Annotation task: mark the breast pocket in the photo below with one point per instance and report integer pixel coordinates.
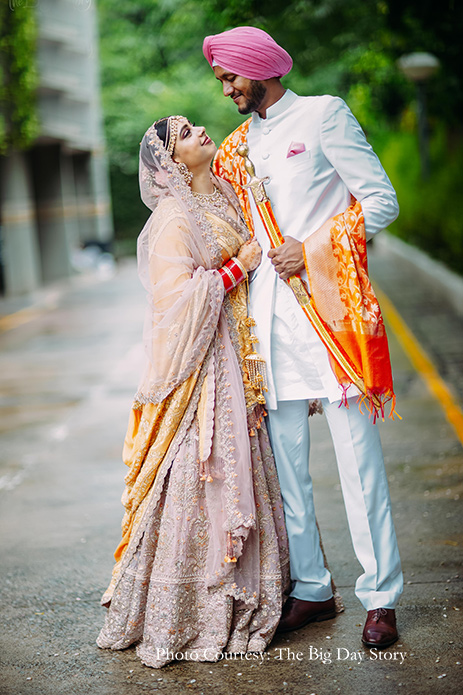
(305, 162)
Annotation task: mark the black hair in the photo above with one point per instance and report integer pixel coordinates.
(161, 129)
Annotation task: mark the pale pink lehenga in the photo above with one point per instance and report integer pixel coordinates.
(203, 563)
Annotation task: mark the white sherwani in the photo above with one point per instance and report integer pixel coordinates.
(306, 189)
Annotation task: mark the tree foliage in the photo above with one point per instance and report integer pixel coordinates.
(152, 65)
(152, 61)
(18, 77)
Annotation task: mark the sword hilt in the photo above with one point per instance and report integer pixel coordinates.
(243, 151)
(255, 184)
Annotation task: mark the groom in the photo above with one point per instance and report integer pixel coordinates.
(316, 158)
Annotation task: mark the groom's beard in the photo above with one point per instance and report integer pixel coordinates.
(255, 99)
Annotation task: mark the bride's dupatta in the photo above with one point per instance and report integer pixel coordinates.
(191, 368)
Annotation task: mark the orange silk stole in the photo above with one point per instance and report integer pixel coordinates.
(336, 262)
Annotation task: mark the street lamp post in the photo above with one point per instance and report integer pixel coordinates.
(419, 67)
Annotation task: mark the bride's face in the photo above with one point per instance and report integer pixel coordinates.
(193, 146)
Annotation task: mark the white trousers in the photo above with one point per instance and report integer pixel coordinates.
(366, 498)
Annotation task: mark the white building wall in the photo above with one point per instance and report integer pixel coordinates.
(68, 203)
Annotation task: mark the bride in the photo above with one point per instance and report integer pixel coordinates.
(203, 562)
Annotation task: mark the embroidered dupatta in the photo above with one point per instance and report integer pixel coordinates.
(192, 367)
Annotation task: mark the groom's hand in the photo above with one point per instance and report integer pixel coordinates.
(287, 259)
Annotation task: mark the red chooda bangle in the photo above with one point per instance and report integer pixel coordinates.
(232, 274)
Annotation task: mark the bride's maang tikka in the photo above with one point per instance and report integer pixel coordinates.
(172, 132)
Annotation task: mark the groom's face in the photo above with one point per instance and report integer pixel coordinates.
(247, 94)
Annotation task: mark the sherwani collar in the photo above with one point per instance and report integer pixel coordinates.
(276, 109)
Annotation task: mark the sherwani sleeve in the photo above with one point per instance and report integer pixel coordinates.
(346, 148)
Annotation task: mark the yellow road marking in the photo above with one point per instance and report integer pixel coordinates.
(7, 323)
(422, 363)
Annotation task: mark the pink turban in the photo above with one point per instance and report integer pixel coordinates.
(249, 52)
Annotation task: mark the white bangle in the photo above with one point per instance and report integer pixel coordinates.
(240, 266)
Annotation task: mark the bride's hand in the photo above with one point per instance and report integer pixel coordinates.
(250, 254)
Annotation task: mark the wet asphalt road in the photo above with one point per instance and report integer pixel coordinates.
(67, 376)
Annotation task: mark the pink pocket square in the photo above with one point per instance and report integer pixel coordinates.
(295, 148)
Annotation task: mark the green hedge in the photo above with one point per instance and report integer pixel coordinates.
(430, 215)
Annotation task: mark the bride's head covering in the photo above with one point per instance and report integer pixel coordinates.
(159, 175)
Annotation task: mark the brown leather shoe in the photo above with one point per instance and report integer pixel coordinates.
(297, 613)
(380, 628)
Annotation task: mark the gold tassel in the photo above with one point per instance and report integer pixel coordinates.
(205, 471)
(230, 556)
(209, 477)
(255, 365)
(202, 471)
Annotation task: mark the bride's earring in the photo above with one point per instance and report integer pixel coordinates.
(185, 172)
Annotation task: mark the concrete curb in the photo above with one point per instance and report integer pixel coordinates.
(448, 282)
